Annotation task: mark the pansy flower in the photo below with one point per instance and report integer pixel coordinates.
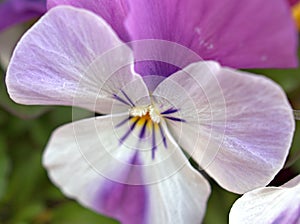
(269, 205)
(132, 162)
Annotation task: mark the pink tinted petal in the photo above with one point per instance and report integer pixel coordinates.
(237, 126)
(248, 34)
(61, 61)
(113, 11)
(17, 11)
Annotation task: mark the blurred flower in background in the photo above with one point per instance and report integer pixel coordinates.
(269, 205)
(13, 14)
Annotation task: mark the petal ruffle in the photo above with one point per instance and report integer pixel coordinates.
(237, 126)
(18, 11)
(249, 34)
(71, 57)
(113, 11)
(86, 160)
(268, 205)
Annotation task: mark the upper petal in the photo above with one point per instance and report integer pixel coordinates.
(269, 205)
(113, 11)
(17, 11)
(71, 57)
(86, 160)
(248, 34)
(237, 126)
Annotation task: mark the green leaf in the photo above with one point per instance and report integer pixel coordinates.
(4, 166)
(219, 205)
(72, 212)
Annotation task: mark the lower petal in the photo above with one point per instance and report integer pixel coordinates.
(87, 160)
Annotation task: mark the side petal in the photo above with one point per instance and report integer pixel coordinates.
(237, 126)
(17, 11)
(252, 34)
(113, 12)
(268, 205)
(71, 57)
(86, 160)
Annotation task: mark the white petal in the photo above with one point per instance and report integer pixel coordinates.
(237, 126)
(71, 57)
(90, 163)
(268, 205)
(182, 197)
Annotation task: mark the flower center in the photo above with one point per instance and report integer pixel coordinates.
(143, 128)
(147, 113)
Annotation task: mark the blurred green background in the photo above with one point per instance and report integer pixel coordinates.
(27, 195)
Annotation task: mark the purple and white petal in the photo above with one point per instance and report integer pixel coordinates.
(269, 205)
(238, 34)
(13, 12)
(71, 57)
(114, 12)
(237, 126)
(87, 161)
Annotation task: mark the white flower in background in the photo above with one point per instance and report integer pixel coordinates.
(269, 205)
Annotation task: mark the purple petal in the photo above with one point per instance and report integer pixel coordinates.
(113, 11)
(17, 11)
(237, 34)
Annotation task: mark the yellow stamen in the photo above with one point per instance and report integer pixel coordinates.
(145, 113)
